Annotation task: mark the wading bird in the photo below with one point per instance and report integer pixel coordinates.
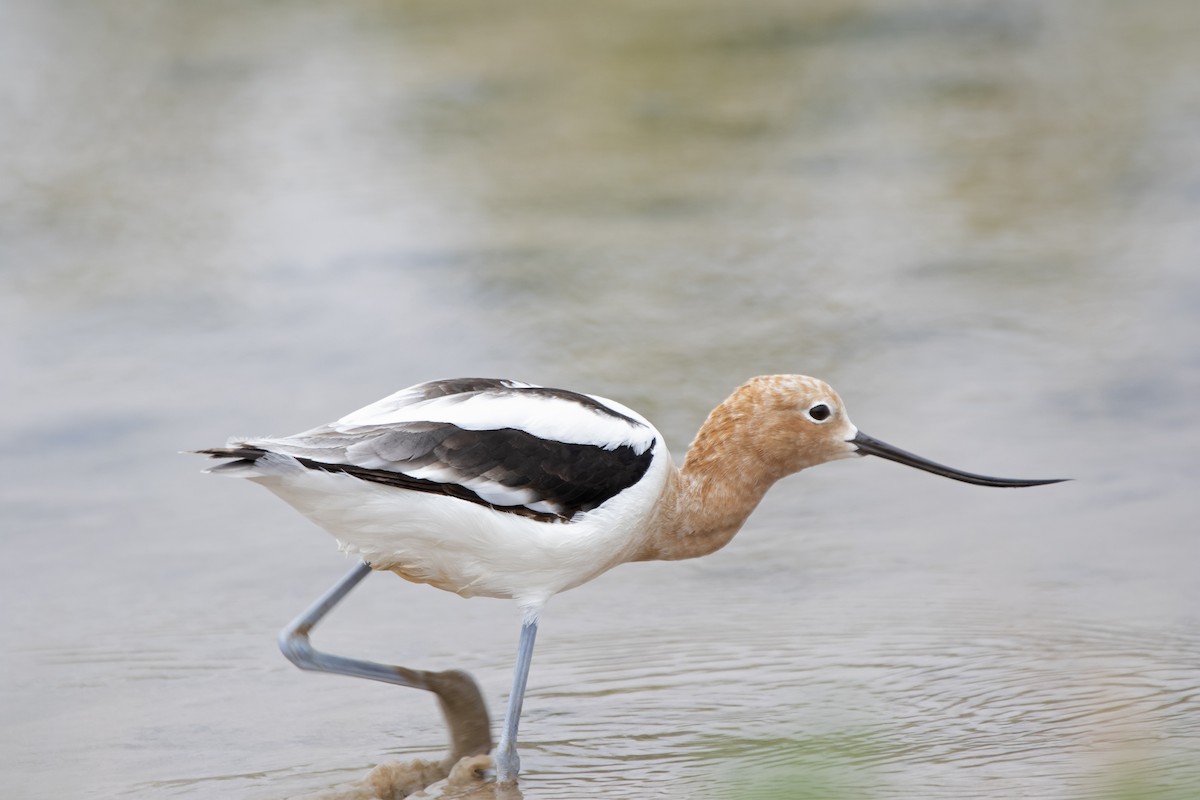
(497, 488)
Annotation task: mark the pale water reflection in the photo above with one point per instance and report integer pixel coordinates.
(976, 219)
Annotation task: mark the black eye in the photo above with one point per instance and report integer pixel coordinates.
(820, 412)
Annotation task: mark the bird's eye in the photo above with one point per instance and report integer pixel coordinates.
(820, 412)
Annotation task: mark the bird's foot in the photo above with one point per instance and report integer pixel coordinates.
(508, 763)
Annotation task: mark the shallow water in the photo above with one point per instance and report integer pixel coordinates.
(977, 220)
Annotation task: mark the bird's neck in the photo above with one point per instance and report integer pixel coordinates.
(706, 501)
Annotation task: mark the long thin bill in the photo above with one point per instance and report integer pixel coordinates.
(870, 446)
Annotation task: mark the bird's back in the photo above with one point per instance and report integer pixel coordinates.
(473, 485)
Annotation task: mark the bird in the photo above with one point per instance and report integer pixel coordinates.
(500, 488)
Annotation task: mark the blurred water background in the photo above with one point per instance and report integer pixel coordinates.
(978, 219)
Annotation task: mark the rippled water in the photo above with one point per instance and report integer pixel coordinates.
(976, 219)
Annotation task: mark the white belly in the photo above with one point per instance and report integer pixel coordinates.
(467, 548)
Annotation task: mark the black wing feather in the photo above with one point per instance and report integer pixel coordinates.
(565, 477)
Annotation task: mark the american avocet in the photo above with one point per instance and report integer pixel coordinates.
(504, 489)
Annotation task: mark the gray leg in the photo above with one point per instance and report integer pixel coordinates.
(461, 701)
(508, 763)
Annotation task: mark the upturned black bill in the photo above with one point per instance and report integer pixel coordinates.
(870, 446)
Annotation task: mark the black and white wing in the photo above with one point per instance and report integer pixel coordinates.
(544, 453)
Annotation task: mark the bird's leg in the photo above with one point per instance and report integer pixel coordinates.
(294, 642)
(461, 701)
(508, 763)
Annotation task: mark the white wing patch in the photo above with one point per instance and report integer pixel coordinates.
(546, 416)
(488, 490)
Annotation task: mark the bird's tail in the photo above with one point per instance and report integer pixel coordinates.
(237, 460)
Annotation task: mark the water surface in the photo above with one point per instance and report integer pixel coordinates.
(977, 220)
